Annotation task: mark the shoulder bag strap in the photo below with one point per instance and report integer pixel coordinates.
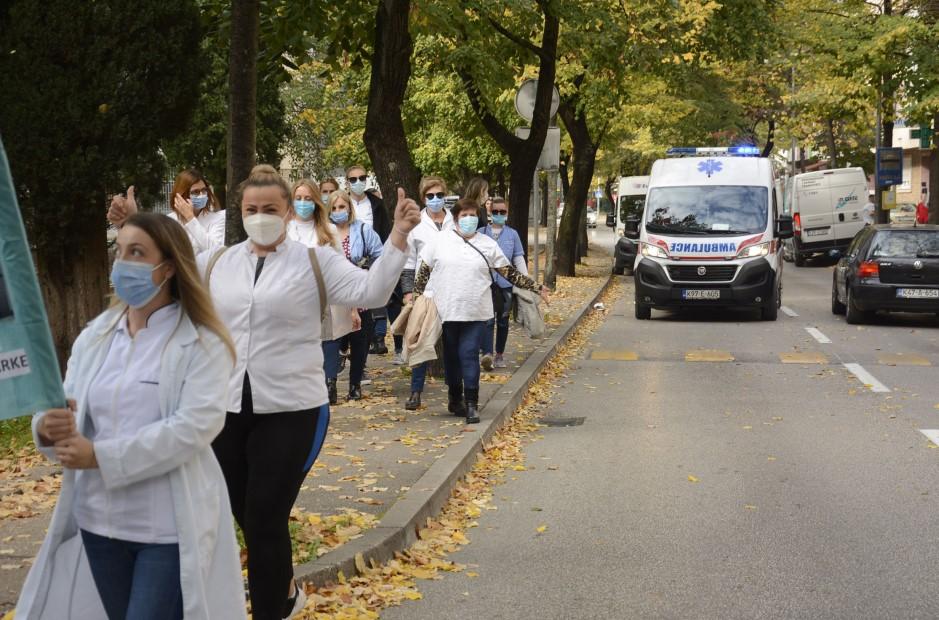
(211, 265)
(320, 283)
(481, 255)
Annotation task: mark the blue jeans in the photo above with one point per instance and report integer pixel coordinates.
(461, 340)
(418, 376)
(136, 581)
(331, 358)
(501, 323)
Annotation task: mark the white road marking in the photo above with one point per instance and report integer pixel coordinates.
(814, 333)
(931, 434)
(788, 311)
(867, 378)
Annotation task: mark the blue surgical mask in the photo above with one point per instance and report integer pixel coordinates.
(199, 202)
(133, 282)
(499, 220)
(339, 217)
(358, 188)
(304, 208)
(468, 225)
(436, 204)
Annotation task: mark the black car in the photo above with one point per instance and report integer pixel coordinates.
(624, 253)
(888, 267)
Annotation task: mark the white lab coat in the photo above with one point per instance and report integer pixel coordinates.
(193, 394)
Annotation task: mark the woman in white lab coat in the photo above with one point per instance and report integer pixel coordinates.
(267, 289)
(143, 501)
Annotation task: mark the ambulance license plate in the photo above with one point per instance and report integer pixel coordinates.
(918, 293)
(691, 293)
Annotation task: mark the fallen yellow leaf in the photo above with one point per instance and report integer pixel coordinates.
(541, 529)
(471, 574)
(692, 478)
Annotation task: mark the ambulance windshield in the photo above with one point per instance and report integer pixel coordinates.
(707, 210)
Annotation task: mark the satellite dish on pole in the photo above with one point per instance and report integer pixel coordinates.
(525, 99)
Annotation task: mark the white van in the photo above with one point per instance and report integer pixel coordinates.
(827, 210)
(711, 233)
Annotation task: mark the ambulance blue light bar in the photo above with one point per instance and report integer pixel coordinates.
(701, 151)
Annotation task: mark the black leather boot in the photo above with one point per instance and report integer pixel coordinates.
(414, 403)
(378, 347)
(331, 388)
(455, 401)
(355, 392)
(472, 406)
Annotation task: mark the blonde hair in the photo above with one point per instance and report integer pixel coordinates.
(430, 181)
(339, 193)
(265, 175)
(186, 286)
(324, 232)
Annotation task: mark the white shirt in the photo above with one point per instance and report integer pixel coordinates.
(122, 399)
(304, 231)
(869, 209)
(459, 278)
(206, 230)
(424, 234)
(363, 210)
(276, 323)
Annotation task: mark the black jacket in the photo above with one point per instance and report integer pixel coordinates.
(380, 216)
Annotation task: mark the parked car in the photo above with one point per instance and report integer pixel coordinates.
(627, 246)
(888, 267)
(904, 213)
(591, 218)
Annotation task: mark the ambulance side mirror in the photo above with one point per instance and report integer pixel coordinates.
(783, 227)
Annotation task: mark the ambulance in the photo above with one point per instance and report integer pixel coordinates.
(711, 234)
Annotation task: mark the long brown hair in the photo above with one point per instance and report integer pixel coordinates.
(185, 286)
(324, 232)
(475, 188)
(185, 180)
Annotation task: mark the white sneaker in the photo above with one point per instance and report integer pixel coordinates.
(486, 362)
(299, 602)
(499, 362)
(398, 359)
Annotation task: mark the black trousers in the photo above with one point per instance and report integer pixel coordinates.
(265, 458)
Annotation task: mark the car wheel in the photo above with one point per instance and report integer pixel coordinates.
(836, 306)
(643, 312)
(770, 312)
(799, 259)
(853, 314)
(617, 270)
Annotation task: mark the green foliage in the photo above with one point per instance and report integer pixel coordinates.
(89, 91)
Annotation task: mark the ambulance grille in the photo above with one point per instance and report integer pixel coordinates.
(712, 273)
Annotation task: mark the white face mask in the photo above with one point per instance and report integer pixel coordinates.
(264, 229)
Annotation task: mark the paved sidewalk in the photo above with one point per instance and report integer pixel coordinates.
(375, 451)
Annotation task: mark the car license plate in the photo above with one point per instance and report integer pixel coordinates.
(918, 293)
(700, 293)
(817, 232)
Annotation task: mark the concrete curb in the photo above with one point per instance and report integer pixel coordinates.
(398, 528)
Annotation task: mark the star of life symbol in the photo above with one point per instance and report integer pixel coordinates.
(710, 166)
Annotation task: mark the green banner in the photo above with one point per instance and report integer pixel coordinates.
(29, 371)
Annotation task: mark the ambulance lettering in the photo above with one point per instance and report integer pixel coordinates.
(723, 247)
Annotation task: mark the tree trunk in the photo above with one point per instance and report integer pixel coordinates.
(523, 154)
(584, 158)
(934, 173)
(385, 138)
(73, 277)
(832, 147)
(242, 108)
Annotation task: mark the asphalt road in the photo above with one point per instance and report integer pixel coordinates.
(763, 481)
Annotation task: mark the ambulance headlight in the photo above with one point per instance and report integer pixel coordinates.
(653, 251)
(753, 251)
